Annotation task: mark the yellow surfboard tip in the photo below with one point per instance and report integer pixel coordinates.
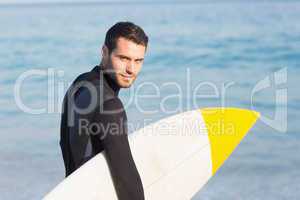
(226, 127)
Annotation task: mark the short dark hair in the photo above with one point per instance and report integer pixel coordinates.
(127, 30)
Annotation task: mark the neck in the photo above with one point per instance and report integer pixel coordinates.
(109, 80)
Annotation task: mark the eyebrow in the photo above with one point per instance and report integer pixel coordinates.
(123, 56)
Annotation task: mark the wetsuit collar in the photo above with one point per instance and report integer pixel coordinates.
(110, 82)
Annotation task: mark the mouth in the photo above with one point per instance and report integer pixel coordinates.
(128, 77)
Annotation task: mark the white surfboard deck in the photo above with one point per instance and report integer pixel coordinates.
(175, 156)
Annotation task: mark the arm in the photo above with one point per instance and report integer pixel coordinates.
(113, 138)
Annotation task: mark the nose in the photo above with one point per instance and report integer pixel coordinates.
(130, 68)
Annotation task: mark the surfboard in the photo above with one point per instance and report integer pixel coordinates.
(175, 156)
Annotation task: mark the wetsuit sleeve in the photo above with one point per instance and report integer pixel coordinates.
(113, 124)
(79, 146)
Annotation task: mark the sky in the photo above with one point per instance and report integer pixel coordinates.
(53, 1)
(82, 1)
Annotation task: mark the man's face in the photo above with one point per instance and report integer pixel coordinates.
(125, 61)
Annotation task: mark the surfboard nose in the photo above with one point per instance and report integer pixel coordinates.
(226, 127)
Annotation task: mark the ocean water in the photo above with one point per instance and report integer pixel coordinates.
(236, 50)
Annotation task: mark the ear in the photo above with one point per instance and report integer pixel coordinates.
(104, 51)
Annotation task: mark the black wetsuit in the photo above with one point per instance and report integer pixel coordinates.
(103, 127)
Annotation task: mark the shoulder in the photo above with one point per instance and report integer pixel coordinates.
(84, 80)
(87, 76)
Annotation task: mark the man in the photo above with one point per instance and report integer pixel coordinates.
(93, 117)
